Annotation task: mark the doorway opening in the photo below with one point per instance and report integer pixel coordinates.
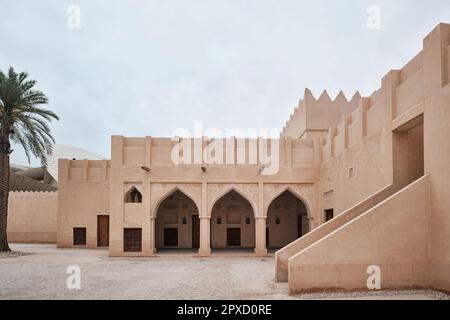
(177, 223)
(232, 223)
(287, 220)
(329, 214)
(408, 150)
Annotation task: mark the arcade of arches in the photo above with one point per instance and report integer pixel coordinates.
(232, 222)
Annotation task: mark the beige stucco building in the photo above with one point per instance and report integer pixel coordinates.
(358, 183)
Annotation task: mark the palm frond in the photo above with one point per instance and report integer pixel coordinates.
(23, 118)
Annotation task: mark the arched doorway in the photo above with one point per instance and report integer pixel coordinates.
(287, 220)
(232, 222)
(177, 223)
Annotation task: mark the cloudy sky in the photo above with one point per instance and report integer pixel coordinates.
(140, 68)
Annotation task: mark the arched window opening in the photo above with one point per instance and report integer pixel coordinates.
(133, 196)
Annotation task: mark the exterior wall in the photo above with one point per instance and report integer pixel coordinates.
(361, 147)
(283, 255)
(392, 235)
(32, 217)
(83, 194)
(146, 163)
(357, 153)
(391, 139)
(437, 148)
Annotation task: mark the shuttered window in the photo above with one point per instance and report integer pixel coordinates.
(79, 236)
(132, 240)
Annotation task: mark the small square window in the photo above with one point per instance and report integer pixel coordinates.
(350, 173)
(79, 236)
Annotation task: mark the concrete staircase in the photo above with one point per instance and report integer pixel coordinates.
(336, 254)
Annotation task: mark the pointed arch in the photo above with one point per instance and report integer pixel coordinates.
(299, 196)
(287, 218)
(133, 195)
(232, 224)
(176, 221)
(225, 192)
(171, 192)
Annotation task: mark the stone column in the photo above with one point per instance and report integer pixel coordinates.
(205, 236)
(148, 222)
(205, 225)
(152, 246)
(260, 232)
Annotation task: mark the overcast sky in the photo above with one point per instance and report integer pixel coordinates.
(139, 68)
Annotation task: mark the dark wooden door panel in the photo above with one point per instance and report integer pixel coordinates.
(234, 237)
(195, 232)
(102, 231)
(299, 226)
(170, 237)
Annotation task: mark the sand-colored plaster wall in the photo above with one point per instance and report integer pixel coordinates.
(393, 235)
(146, 162)
(437, 149)
(32, 217)
(83, 195)
(348, 174)
(282, 256)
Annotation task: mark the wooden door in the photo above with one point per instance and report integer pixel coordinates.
(267, 237)
(102, 231)
(233, 237)
(195, 232)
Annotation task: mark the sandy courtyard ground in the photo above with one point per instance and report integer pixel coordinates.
(42, 275)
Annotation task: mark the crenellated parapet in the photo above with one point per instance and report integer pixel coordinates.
(313, 117)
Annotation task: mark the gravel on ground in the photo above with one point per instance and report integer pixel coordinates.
(41, 273)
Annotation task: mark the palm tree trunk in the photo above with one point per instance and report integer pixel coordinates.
(4, 190)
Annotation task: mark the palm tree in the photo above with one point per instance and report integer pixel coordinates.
(23, 122)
